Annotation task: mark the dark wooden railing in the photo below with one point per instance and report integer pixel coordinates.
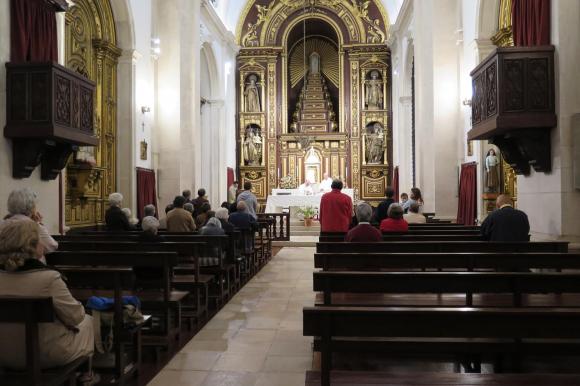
(281, 226)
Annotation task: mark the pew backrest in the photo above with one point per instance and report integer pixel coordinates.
(441, 246)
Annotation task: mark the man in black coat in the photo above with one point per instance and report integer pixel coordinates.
(506, 223)
(383, 207)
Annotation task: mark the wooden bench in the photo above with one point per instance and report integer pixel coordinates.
(441, 246)
(155, 294)
(469, 261)
(479, 332)
(30, 312)
(412, 237)
(126, 354)
(355, 289)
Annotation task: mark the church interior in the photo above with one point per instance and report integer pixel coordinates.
(465, 106)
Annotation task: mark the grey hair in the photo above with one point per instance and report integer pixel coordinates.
(222, 214)
(364, 212)
(21, 201)
(214, 222)
(188, 206)
(150, 224)
(395, 211)
(127, 212)
(242, 206)
(115, 199)
(149, 210)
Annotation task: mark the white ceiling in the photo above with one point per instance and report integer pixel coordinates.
(230, 11)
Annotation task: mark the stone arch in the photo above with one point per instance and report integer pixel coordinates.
(124, 24)
(207, 53)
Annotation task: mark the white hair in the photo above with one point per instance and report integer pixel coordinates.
(21, 201)
(149, 210)
(214, 222)
(364, 212)
(127, 212)
(150, 224)
(222, 214)
(188, 206)
(115, 199)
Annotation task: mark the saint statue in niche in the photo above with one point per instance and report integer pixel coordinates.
(491, 172)
(314, 63)
(375, 144)
(252, 147)
(252, 95)
(374, 92)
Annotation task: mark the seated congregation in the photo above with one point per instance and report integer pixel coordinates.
(109, 304)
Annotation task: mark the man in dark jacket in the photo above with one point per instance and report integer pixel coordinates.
(506, 223)
(115, 219)
(383, 207)
(198, 202)
(241, 219)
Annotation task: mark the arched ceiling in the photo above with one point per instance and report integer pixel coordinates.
(231, 10)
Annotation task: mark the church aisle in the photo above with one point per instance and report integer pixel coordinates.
(256, 339)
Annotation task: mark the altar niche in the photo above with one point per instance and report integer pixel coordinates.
(321, 72)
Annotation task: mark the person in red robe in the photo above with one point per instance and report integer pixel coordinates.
(395, 222)
(335, 210)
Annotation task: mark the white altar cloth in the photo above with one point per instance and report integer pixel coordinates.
(285, 198)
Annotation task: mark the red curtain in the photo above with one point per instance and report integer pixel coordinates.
(396, 183)
(531, 22)
(467, 210)
(32, 32)
(146, 192)
(230, 177)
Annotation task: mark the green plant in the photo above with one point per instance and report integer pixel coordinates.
(307, 211)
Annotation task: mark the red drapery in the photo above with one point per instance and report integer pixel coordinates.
(32, 32)
(396, 183)
(146, 192)
(531, 22)
(230, 177)
(467, 208)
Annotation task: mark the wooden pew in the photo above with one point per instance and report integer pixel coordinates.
(411, 237)
(156, 295)
(355, 289)
(507, 261)
(442, 246)
(445, 330)
(30, 312)
(127, 338)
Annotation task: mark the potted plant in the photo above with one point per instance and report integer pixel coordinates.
(308, 213)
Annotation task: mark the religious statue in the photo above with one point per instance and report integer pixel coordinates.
(374, 92)
(252, 148)
(375, 144)
(491, 172)
(252, 95)
(314, 63)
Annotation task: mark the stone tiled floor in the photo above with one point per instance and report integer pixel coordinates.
(256, 339)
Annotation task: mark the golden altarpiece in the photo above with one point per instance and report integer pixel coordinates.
(314, 95)
(91, 51)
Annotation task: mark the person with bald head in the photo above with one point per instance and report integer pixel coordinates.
(506, 223)
(241, 218)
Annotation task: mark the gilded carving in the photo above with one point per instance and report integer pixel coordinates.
(354, 98)
(272, 98)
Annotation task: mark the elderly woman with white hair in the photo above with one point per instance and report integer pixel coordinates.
(364, 231)
(22, 206)
(150, 226)
(223, 215)
(213, 227)
(115, 219)
(70, 336)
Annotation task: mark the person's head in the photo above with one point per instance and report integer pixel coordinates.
(115, 199)
(205, 207)
(404, 197)
(201, 192)
(395, 212)
(325, 176)
(186, 194)
(414, 208)
(491, 152)
(169, 208)
(214, 222)
(247, 185)
(336, 184)
(188, 206)
(222, 214)
(19, 241)
(242, 207)
(364, 212)
(127, 213)
(235, 184)
(22, 201)
(389, 192)
(178, 201)
(225, 204)
(149, 210)
(416, 194)
(504, 199)
(150, 224)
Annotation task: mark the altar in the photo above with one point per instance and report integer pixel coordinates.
(287, 198)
